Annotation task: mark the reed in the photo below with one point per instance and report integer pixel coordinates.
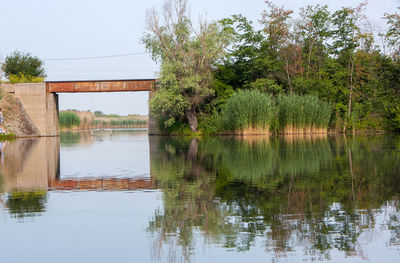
(69, 119)
(302, 114)
(248, 112)
(251, 112)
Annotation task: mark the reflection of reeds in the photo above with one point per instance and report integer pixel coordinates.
(287, 187)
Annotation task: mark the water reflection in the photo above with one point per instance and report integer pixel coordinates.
(279, 198)
(27, 166)
(309, 194)
(30, 167)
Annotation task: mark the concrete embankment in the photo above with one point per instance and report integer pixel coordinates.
(32, 107)
(16, 119)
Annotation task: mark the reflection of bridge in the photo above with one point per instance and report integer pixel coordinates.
(111, 184)
(33, 164)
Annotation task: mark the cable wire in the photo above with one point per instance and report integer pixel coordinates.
(98, 57)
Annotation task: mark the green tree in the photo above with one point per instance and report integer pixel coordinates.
(314, 30)
(277, 27)
(187, 55)
(346, 40)
(392, 35)
(23, 65)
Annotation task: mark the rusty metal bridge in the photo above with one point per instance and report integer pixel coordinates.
(100, 86)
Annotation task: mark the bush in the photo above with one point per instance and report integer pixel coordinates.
(69, 119)
(21, 78)
(23, 64)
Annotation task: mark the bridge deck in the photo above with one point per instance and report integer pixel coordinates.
(99, 86)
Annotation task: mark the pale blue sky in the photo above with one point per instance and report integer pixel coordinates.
(90, 28)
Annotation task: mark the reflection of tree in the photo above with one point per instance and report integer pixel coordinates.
(317, 191)
(26, 204)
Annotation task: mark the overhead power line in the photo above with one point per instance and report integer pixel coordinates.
(99, 57)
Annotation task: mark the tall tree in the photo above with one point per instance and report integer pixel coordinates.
(187, 55)
(277, 27)
(392, 35)
(346, 41)
(314, 30)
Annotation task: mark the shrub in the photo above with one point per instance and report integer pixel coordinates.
(21, 78)
(69, 119)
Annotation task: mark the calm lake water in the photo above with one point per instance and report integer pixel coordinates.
(133, 198)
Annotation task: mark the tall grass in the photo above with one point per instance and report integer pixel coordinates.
(302, 114)
(253, 112)
(249, 112)
(69, 119)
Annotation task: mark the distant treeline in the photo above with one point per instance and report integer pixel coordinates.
(121, 123)
(71, 119)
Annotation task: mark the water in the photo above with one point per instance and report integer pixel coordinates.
(128, 197)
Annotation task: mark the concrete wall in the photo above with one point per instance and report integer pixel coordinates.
(41, 106)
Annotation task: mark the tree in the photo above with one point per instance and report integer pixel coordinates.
(347, 38)
(277, 27)
(392, 36)
(314, 30)
(188, 56)
(23, 65)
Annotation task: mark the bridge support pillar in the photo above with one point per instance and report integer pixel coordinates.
(41, 106)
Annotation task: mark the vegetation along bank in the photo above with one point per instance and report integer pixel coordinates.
(309, 72)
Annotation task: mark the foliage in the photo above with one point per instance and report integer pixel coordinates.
(187, 58)
(127, 123)
(393, 117)
(23, 65)
(69, 119)
(98, 113)
(393, 33)
(331, 55)
(21, 78)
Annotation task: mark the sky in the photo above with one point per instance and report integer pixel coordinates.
(55, 29)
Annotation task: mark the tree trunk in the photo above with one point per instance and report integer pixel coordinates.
(288, 74)
(351, 92)
(192, 118)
